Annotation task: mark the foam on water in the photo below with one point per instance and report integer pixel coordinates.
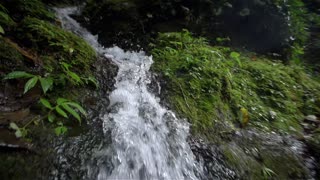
(148, 140)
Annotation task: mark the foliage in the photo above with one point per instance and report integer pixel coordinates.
(64, 46)
(63, 60)
(31, 8)
(5, 19)
(60, 111)
(206, 85)
(45, 82)
(267, 173)
(62, 108)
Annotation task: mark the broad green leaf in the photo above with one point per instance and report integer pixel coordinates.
(46, 83)
(61, 112)
(71, 111)
(1, 30)
(17, 75)
(30, 84)
(60, 130)
(14, 126)
(74, 76)
(51, 117)
(46, 103)
(78, 107)
(61, 101)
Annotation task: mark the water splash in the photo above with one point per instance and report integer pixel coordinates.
(148, 141)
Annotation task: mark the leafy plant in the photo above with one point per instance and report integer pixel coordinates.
(75, 78)
(62, 108)
(20, 132)
(45, 82)
(61, 129)
(267, 173)
(236, 56)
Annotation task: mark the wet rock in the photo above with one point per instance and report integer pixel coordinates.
(312, 119)
(12, 97)
(9, 142)
(16, 116)
(250, 152)
(210, 156)
(259, 25)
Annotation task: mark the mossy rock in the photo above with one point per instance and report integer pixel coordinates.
(10, 58)
(19, 9)
(206, 83)
(258, 155)
(60, 45)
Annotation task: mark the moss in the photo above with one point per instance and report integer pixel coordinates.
(33, 8)
(60, 44)
(252, 156)
(206, 83)
(10, 58)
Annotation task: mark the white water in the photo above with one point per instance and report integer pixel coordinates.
(148, 141)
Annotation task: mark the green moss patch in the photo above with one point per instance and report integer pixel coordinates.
(23, 8)
(210, 84)
(61, 45)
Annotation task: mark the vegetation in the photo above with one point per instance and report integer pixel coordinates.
(39, 53)
(61, 103)
(210, 84)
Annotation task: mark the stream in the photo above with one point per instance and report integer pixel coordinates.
(148, 141)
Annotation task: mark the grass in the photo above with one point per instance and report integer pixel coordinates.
(208, 85)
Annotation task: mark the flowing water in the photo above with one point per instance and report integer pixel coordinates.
(148, 140)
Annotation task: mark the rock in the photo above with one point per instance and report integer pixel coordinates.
(9, 142)
(214, 166)
(15, 116)
(273, 115)
(312, 119)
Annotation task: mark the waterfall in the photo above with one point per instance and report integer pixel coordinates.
(148, 140)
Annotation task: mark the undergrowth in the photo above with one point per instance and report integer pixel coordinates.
(212, 84)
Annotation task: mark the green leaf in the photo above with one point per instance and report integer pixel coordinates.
(234, 55)
(17, 75)
(71, 111)
(60, 130)
(61, 101)
(65, 66)
(51, 117)
(76, 105)
(1, 30)
(14, 126)
(74, 76)
(46, 103)
(61, 112)
(30, 84)
(46, 83)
